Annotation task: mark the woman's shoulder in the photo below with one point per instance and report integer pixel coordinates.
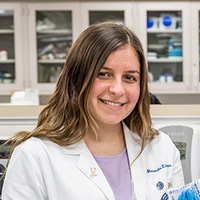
(36, 147)
(34, 143)
(162, 141)
(162, 137)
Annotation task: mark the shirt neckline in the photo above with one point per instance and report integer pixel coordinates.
(110, 157)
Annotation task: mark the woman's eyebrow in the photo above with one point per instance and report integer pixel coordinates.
(107, 68)
(132, 71)
(129, 71)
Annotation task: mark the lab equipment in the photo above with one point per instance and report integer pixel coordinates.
(174, 194)
(186, 140)
(188, 195)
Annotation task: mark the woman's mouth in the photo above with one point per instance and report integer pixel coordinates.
(112, 103)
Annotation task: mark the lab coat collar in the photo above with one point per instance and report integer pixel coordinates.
(74, 149)
(133, 144)
(90, 168)
(87, 165)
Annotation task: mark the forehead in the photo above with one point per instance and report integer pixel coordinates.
(124, 57)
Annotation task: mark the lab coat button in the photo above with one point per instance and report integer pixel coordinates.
(160, 185)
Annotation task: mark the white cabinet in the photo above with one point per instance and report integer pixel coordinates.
(119, 12)
(53, 29)
(195, 42)
(44, 32)
(165, 34)
(37, 37)
(11, 52)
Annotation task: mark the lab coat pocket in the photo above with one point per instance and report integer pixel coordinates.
(157, 187)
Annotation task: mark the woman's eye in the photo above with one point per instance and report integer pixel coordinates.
(103, 74)
(130, 78)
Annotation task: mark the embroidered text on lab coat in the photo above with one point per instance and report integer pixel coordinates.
(159, 168)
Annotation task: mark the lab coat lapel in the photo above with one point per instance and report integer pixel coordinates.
(90, 168)
(138, 171)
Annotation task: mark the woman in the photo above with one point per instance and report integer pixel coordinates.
(94, 138)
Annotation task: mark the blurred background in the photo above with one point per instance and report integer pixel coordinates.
(35, 37)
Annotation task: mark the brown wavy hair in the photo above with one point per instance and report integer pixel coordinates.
(66, 118)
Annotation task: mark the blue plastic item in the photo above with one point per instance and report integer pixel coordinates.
(167, 21)
(188, 195)
(150, 22)
(176, 52)
(1, 77)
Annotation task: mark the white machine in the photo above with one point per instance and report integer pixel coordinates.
(184, 138)
(185, 133)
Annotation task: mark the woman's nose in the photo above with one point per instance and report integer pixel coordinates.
(116, 87)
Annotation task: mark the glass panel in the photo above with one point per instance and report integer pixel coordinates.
(181, 146)
(49, 73)
(54, 39)
(7, 54)
(164, 37)
(102, 16)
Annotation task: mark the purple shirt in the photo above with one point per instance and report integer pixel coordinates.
(117, 172)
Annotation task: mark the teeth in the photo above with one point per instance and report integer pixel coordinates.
(112, 104)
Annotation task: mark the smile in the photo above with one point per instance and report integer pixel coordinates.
(112, 103)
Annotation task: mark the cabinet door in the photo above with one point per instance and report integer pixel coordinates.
(118, 12)
(52, 31)
(11, 73)
(164, 32)
(195, 41)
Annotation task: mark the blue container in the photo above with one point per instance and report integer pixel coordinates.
(167, 21)
(176, 52)
(150, 23)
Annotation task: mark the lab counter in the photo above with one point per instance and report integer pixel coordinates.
(175, 110)
(17, 118)
(156, 110)
(175, 114)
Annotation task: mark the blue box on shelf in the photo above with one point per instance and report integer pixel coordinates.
(176, 52)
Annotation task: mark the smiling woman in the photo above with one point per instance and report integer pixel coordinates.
(94, 139)
(116, 89)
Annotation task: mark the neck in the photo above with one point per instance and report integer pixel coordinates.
(110, 140)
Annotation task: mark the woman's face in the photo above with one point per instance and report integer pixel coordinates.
(116, 89)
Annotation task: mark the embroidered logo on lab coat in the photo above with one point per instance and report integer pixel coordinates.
(93, 172)
(159, 168)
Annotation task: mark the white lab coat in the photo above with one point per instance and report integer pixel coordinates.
(42, 170)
